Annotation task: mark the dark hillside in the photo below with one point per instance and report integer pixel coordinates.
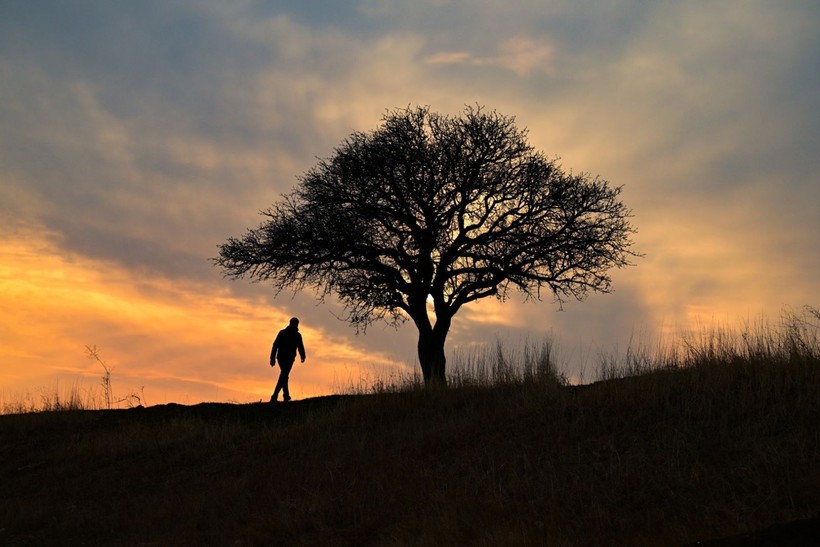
(666, 458)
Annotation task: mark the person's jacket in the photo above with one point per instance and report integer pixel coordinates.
(287, 342)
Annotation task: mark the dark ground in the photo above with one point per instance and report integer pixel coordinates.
(666, 459)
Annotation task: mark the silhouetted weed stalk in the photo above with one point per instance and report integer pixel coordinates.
(131, 400)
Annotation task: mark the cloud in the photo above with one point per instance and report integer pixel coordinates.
(519, 55)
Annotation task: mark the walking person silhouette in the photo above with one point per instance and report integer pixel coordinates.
(287, 343)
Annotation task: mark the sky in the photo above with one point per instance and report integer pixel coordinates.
(135, 137)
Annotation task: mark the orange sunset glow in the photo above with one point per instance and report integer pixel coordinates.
(166, 341)
(134, 141)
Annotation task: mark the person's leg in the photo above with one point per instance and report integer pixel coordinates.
(277, 388)
(283, 378)
(282, 383)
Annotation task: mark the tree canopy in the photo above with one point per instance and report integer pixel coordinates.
(440, 209)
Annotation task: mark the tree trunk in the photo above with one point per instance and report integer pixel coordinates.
(431, 357)
(431, 337)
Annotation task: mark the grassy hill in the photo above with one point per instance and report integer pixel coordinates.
(712, 444)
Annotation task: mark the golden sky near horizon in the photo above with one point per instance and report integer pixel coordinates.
(133, 141)
(54, 305)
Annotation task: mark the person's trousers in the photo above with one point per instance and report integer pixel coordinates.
(282, 383)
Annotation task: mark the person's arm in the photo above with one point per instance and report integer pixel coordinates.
(273, 351)
(301, 348)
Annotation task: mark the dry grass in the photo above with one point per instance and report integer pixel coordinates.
(101, 396)
(48, 400)
(715, 437)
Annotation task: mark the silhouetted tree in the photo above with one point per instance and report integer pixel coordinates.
(430, 210)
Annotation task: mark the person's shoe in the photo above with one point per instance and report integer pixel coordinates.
(287, 398)
(273, 398)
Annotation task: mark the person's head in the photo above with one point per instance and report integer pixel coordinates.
(294, 323)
